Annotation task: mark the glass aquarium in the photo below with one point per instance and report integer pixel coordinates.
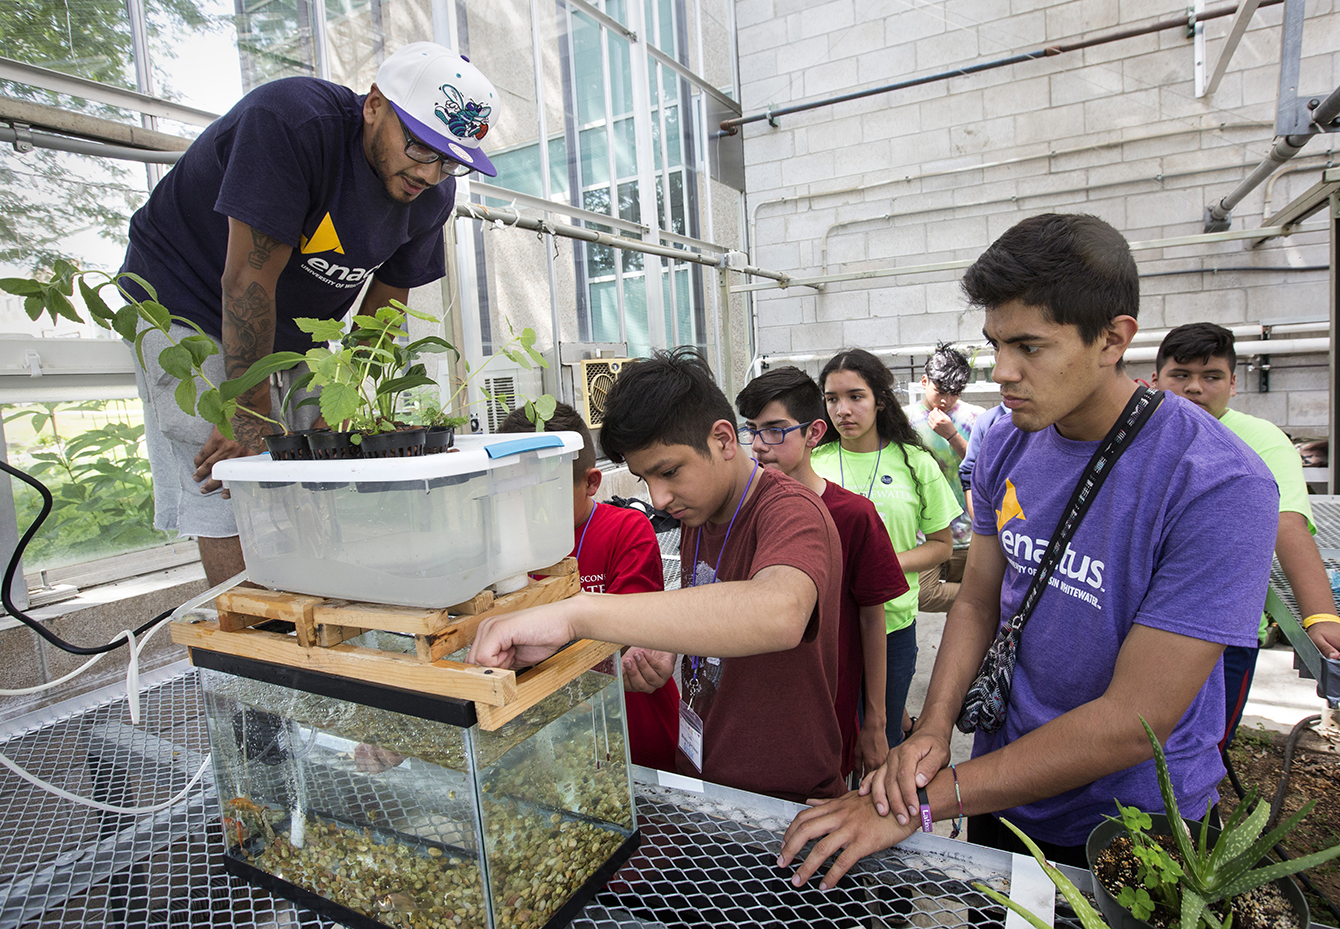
(378, 806)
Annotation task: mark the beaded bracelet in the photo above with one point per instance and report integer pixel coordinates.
(958, 823)
(1320, 618)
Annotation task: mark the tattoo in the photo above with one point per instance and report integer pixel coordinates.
(248, 329)
(250, 431)
(262, 246)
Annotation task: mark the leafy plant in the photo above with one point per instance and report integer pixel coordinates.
(182, 358)
(1209, 872)
(1089, 917)
(102, 493)
(362, 378)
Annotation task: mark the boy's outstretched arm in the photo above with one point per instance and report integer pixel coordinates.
(767, 613)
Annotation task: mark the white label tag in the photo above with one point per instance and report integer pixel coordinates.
(691, 735)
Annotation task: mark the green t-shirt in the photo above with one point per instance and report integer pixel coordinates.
(1275, 449)
(906, 506)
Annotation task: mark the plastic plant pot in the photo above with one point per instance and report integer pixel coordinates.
(405, 443)
(1118, 917)
(438, 439)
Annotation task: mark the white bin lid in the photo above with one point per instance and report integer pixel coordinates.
(475, 453)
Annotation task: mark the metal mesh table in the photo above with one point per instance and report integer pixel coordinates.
(707, 857)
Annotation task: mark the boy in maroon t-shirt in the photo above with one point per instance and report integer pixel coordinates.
(617, 553)
(757, 617)
(784, 413)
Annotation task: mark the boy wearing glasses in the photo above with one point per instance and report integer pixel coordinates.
(784, 413)
(288, 206)
(757, 616)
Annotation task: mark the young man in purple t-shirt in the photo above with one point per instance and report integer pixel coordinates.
(1141, 605)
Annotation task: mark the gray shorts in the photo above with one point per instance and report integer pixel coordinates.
(174, 439)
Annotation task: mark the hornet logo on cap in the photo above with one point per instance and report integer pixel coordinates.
(464, 119)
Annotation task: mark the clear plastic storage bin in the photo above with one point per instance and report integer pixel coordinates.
(429, 531)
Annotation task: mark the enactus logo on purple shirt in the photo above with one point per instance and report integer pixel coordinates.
(1024, 551)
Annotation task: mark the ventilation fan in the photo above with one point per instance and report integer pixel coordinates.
(598, 377)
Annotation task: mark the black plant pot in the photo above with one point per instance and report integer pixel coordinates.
(333, 446)
(406, 443)
(291, 446)
(438, 439)
(1118, 917)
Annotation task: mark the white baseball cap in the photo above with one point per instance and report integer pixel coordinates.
(444, 100)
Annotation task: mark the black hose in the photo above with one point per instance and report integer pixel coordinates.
(1290, 744)
(13, 568)
(1279, 792)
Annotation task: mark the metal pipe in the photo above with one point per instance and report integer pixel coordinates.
(84, 147)
(732, 126)
(512, 218)
(898, 270)
(1285, 147)
(1085, 188)
(985, 359)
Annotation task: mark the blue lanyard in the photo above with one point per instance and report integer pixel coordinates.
(693, 578)
(842, 476)
(587, 525)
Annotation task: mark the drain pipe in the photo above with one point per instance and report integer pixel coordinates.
(1219, 217)
(732, 126)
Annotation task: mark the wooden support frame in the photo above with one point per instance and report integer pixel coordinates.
(323, 626)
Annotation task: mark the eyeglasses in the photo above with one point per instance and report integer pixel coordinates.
(773, 435)
(424, 155)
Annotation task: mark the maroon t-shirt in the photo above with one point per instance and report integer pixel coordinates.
(619, 555)
(871, 575)
(769, 721)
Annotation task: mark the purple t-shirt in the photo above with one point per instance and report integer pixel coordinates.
(287, 160)
(1179, 538)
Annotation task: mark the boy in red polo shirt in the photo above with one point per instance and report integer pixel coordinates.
(617, 553)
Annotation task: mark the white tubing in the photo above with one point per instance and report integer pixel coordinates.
(98, 805)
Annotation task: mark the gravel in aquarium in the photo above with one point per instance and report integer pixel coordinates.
(413, 886)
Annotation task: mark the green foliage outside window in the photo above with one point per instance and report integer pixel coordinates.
(98, 475)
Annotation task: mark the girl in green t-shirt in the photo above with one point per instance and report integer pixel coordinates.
(871, 449)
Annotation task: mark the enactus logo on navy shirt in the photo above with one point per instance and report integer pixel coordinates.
(331, 273)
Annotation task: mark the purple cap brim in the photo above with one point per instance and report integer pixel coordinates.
(445, 144)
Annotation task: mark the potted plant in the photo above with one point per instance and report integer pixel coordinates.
(362, 378)
(217, 404)
(1154, 870)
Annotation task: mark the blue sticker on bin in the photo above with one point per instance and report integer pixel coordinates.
(528, 444)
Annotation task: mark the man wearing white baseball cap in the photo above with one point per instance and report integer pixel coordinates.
(301, 196)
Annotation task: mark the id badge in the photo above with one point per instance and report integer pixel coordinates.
(691, 735)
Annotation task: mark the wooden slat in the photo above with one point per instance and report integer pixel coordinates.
(462, 632)
(566, 566)
(545, 678)
(476, 604)
(484, 686)
(236, 622)
(273, 604)
(328, 635)
(411, 620)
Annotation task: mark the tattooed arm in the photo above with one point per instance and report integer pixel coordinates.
(250, 274)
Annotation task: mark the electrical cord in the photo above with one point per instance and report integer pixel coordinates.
(13, 567)
(1289, 747)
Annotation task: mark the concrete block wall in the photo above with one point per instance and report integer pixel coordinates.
(935, 173)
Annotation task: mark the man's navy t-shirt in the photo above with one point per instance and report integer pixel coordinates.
(288, 161)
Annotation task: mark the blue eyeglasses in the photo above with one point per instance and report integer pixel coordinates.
(773, 435)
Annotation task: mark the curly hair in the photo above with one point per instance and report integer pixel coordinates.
(891, 423)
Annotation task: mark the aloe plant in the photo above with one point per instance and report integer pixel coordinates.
(1089, 917)
(1227, 868)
